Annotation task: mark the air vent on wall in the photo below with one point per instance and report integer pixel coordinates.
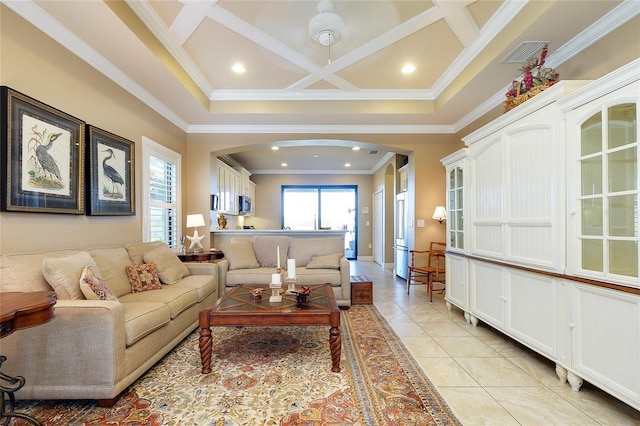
(524, 51)
(374, 152)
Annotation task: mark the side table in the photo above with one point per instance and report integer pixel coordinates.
(361, 290)
(17, 311)
(201, 257)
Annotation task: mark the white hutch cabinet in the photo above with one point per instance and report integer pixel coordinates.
(547, 201)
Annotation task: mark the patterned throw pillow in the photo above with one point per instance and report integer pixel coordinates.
(143, 277)
(93, 286)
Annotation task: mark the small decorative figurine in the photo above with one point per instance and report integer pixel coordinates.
(302, 294)
(222, 221)
(256, 294)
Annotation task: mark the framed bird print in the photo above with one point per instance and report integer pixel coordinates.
(111, 177)
(42, 156)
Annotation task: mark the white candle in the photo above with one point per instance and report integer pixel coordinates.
(275, 278)
(291, 268)
(278, 255)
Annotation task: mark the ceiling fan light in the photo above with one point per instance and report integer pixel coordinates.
(326, 27)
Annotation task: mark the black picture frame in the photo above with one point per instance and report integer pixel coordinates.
(111, 174)
(42, 156)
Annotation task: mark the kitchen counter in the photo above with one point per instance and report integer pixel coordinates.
(223, 236)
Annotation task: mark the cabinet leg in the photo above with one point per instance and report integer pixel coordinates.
(467, 317)
(474, 320)
(574, 381)
(448, 305)
(562, 373)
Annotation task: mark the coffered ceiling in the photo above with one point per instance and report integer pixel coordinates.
(177, 56)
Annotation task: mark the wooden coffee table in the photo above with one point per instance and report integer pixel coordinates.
(236, 308)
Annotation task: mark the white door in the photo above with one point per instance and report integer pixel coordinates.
(378, 227)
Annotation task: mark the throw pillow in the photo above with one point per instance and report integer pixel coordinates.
(63, 274)
(327, 261)
(170, 268)
(266, 247)
(240, 255)
(143, 277)
(93, 286)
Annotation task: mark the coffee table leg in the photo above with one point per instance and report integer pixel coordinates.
(335, 344)
(206, 347)
(205, 342)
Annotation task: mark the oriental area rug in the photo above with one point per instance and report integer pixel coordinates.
(273, 376)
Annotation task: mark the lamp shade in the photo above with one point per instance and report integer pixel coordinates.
(195, 220)
(439, 214)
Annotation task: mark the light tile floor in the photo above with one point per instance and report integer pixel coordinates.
(485, 377)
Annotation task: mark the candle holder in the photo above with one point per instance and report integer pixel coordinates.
(276, 297)
(291, 285)
(275, 286)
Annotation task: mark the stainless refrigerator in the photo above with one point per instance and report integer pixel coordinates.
(401, 258)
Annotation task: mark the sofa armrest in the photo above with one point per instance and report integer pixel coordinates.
(223, 268)
(202, 268)
(345, 277)
(84, 343)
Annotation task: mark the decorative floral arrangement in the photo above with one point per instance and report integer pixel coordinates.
(535, 79)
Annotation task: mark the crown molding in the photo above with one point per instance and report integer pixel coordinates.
(321, 129)
(617, 17)
(34, 14)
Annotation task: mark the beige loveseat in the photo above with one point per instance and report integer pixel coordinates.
(318, 261)
(94, 349)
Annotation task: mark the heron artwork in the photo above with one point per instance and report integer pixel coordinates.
(113, 175)
(50, 170)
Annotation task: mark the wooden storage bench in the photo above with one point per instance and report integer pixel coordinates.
(361, 290)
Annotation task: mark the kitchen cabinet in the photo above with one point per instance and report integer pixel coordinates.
(403, 178)
(228, 189)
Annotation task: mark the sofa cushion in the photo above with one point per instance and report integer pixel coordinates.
(170, 268)
(137, 251)
(303, 249)
(176, 298)
(203, 285)
(318, 276)
(93, 286)
(240, 255)
(23, 272)
(327, 261)
(250, 276)
(266, 247)
(63, 274)
(143, 277)
(142, 318)
(112, 263)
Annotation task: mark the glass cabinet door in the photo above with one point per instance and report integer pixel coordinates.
(609, 191)
(455, 213)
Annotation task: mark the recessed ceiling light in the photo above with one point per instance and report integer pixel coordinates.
(284, 164)
(408, 69)
(347, 164)
(274, 148)
(238, 68)
(315, 155)
(356, 148)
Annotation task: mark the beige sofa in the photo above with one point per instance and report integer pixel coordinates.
(94, 349)
(253, 260)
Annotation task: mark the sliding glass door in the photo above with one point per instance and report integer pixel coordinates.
(307, 207)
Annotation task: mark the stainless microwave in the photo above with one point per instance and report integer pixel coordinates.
(245, 204)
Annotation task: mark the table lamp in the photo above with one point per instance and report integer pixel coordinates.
(195, 221)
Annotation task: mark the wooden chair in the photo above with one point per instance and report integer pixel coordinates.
(432, 271)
